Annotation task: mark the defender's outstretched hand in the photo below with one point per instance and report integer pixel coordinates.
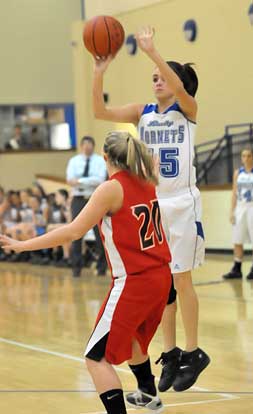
(11, 244)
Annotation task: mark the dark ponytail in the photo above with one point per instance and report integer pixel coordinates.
(187, 75)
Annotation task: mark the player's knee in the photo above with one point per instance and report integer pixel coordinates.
(90, 363)
(182, 282)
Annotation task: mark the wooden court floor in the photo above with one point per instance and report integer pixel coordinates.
(45, 320)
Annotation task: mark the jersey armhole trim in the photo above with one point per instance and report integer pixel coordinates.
(109, 213)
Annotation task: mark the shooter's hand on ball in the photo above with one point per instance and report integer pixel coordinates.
(102, 64)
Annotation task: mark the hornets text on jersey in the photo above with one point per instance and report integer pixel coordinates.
(170, 135)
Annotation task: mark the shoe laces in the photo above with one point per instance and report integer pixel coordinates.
(165, 359)
(141, 397)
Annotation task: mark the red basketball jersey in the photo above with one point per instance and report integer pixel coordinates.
(133, 237)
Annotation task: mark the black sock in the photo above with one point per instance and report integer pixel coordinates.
(145, 379)
(113, 401)
(237, 266)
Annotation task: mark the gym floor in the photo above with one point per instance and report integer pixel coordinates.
(46, 317)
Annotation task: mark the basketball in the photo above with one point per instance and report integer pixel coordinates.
(103, 36)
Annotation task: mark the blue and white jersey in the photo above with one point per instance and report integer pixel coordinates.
(245, 186)
(170, 136)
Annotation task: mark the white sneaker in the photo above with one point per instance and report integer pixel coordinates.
(140, 399)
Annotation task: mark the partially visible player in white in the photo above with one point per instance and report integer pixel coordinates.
(168, 128)
(241, 215)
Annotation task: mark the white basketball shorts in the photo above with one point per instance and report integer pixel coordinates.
(181, 219)
(243, 227)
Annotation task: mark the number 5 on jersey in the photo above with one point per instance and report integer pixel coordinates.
(169, 164)
(150, 228)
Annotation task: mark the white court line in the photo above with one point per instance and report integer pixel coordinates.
(226, 397)
(177, 404)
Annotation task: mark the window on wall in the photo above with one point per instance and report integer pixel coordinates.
(37, 127)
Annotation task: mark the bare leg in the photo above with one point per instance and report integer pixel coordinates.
(169, 326)
(238, 252)
(137, 355)
(104, 375)
(189, 308)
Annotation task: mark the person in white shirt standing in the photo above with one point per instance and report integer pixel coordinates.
(85, 172)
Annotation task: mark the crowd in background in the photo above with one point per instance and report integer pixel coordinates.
(32, 139)
(30, 212)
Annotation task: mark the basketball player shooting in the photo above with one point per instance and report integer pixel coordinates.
(168, 128)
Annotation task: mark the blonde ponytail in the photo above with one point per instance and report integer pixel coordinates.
(128, 153)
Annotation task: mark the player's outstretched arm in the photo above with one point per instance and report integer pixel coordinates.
(108, 197)
(187, 103)
(128, 113)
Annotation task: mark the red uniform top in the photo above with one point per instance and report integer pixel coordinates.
(133, 237)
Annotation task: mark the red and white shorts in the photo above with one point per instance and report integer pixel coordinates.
(132, 310)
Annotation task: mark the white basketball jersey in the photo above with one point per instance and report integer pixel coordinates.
(245, 186)
(170, 135)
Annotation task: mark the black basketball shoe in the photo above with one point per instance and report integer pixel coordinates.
(191, 365)
(235, 273)
(170, 362)
(250, 274)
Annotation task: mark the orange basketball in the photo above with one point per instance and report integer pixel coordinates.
(103, 36)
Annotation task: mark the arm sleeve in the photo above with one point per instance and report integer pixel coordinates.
(70, 172)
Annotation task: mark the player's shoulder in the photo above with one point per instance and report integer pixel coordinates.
(110, 192)
(149, 108)
(111, 187)
(237, 172)
(153, 107)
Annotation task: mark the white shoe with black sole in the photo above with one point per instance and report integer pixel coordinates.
(140, 399)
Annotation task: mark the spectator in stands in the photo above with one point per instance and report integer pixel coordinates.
(85, 172)
(11, 211)
(40, 218)
(35, 138)
(10, 216)
(18, 140)
(2, 203)
(3, 206)
(25, 228)
(58, 215)
(38, 191)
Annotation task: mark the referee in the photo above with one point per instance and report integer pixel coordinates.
(85, 172)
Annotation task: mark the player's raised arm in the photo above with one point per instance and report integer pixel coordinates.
(128, 113)
(107, 198)
(187, 102)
